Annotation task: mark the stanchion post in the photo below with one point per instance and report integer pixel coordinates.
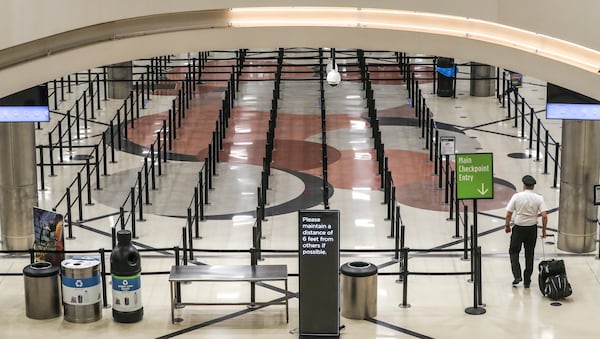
(404, 275)
(113, 236)
(531, 119)
(189, 230)
(446, 187)
(465, 232)
(196, 213)
(132, 212)
(69, 216)
(177, 263)
(79, 200)
(152, 162)
(479, 280)
(103, 277)
(397, 233)
(184, 240)
(476, 309)
(42, 182)
(556, 151)
(391, 210)
(122, 219)
(88, 184)
(435, 153)
(546, 152)
(451, 202)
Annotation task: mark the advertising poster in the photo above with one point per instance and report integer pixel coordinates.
(48, 236)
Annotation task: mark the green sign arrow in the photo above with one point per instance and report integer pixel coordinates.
(474, 176)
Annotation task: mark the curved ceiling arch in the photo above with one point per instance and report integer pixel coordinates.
(49, 58)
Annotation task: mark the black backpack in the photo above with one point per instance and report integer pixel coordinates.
(552, 279)
(557, 287)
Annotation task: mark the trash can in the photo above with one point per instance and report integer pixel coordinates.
(482, 83)
(81, 289)
(446, 73)
(359, 290)
(42, 294)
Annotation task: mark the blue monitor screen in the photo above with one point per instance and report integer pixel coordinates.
(573, 111)
(29, 105)
(565, 104)
(24, 113)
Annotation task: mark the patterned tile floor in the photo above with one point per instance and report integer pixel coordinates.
(437, 302)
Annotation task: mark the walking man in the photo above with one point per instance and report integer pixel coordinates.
(525, 207)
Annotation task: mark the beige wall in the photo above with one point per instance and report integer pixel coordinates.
(27, 20)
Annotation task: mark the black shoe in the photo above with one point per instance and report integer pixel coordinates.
(527, 284)
(517, 281)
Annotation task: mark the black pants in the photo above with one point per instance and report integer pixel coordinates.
(526, 236)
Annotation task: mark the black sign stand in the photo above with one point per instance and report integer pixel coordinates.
(318, 268)
(477, 308)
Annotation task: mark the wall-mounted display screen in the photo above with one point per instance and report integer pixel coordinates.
(29, 105)
(565, 104)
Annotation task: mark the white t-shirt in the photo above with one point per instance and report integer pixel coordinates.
(525, 207)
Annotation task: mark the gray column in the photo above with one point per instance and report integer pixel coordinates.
(121, 75)
(580, 167)
(18, 184)
(483, 83)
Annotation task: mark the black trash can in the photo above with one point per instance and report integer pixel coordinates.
(42, 292)
(359, 290)
(445, 85)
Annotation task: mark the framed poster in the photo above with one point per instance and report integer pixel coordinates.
(596, 194)
(48, 236)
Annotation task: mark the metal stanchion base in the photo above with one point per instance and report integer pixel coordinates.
(177, 320)
(475, 310)
(399, 281)
(390, 237)
(404, 305)
(465, 259)
(456, 237)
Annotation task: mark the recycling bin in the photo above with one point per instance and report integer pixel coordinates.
(81, 289)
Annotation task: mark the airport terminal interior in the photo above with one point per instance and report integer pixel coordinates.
(254, 90)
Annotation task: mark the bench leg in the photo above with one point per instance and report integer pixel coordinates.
(172, 303)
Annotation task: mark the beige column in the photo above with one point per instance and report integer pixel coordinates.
(580, 168)
(18, 184)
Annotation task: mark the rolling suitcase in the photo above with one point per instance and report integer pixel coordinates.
(552, 278)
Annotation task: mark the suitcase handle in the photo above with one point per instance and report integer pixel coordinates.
(544, 245)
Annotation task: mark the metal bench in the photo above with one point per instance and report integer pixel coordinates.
(226, 273)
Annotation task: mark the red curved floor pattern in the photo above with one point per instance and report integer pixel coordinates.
(412, 172)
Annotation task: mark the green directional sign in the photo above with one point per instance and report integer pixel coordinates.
(474, 176)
